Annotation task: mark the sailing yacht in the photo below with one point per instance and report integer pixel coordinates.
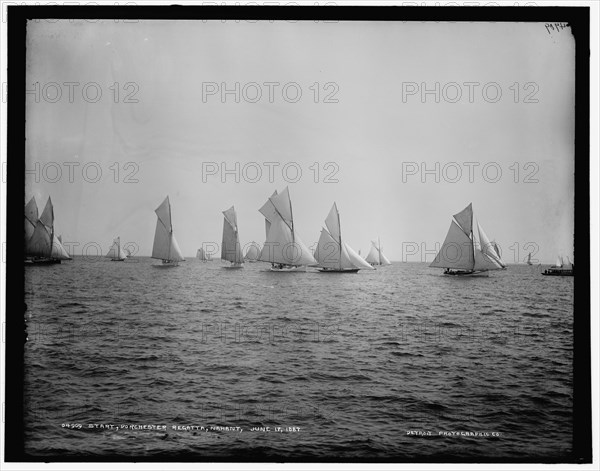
(375, 256)
(529, 259)
(165, 245)
(466, 252)
(202, 255)
(41, 244)
(332, 253)
(116, 253)
(252, 253)
(230, 246)
(283, 248)
(561, 268)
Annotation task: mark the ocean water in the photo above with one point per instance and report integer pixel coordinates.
(199, 362)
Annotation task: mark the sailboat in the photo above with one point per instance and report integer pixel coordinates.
(230, 246)
(165, 246)
(252, 253)
(202, 255)
(466, 252)
(561, 268)
(529, 259)
(375, 256)
(116, 253)
(283, 248)
(332, 253)
(41, 244)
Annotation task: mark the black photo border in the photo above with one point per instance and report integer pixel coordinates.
(17, 16)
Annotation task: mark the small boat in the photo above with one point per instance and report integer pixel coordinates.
(561, 268)
(202, 255)
(230, 246)
(252, 253)
(165, 247)
(283, 248)
(116, 253)
(375, 255)
(465, 252)
(529, 259)
(332, 253)
(42, 247)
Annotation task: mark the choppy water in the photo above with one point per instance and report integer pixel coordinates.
(354, 361)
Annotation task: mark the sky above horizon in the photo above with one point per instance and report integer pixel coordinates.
(133, 112)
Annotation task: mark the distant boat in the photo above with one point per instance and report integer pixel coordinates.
(230, 246)
(202, 255)
(466, 252)
(561, 268)
(332, 253)
(165, 246)
(116, 253)
(252, 253)
(41, 245)
(283, 248)
(375, 256)
(529, 259)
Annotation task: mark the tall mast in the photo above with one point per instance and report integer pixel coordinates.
(379, 243)
(291, 217)
(339, 234)
(171, 229)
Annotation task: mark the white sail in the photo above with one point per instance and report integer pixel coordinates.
(376, 256)
(465, 219)
(269, 212)
(253, 252)
(384, 259)
(569, 262)
(332, 222)
(332, 252)
(115, 251)
(47, 216)
(43, 242)
(230, 246)
(58, 251)
(283, 247)
(467, 249)
(40, 244)
(558, 261)
(31, 218)
(328, 251)
(456, 251)
(497, 249)
(356, 259)
(483, 262)
(165, 246)
(283, 206)
(373, 256)
(282, 244)
(488, 248)
(202, 255)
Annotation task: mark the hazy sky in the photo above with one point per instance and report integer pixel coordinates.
(378, 133)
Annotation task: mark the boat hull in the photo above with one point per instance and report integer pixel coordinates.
(468, 273)
(288, 269)
(41, 261)
(349, 270)
(558, 273)
(167, 264)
